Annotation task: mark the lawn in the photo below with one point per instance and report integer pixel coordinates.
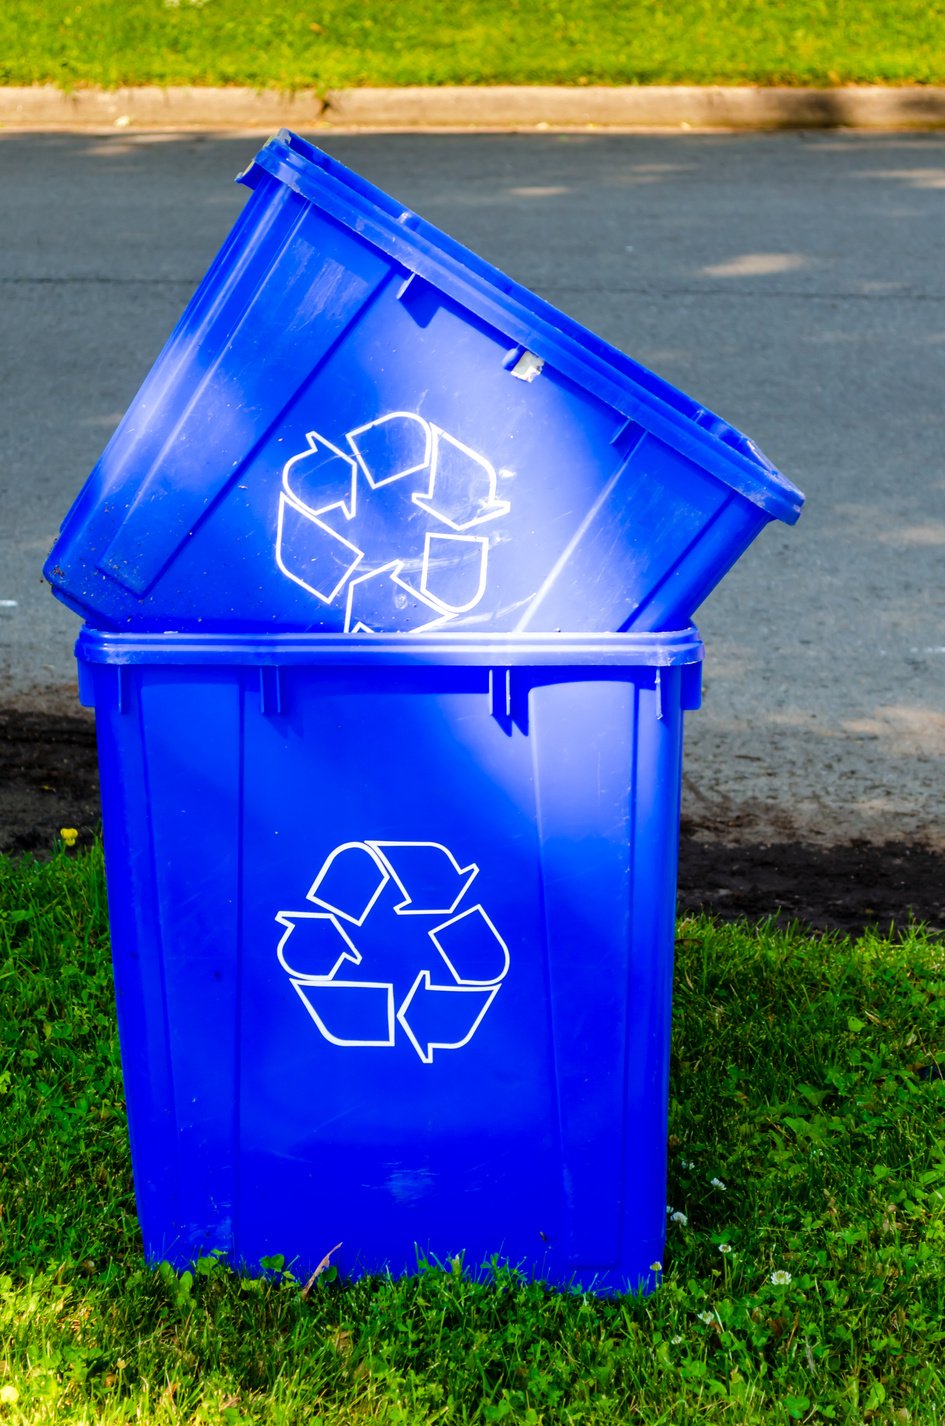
(325, 44)
(805, 1266)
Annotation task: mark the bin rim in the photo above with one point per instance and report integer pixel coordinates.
(674, 648)
(536, 325)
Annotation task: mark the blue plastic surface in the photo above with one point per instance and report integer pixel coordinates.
(360, 425)
(392, 923)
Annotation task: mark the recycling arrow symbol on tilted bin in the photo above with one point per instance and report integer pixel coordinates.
(395, 530)
(394, 946)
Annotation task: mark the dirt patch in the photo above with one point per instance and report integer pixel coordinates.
(829, 888)
(49, 780)
(48, 777)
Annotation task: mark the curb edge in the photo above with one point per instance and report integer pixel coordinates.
(498, 107)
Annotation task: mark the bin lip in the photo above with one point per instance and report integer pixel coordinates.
(569, 348)
(662, 650)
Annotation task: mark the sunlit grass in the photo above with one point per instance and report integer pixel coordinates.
(333, 43)
(805, 1266)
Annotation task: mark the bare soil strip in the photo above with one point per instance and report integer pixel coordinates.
(49, 780)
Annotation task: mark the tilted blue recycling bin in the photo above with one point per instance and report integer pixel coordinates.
(358, 425)
(392, 924)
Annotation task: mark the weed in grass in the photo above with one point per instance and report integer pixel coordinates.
(803, 1277)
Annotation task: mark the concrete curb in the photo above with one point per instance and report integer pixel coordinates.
(42, 107)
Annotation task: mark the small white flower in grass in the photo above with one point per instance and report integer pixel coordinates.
(705, 1317)
(676, 1341)
(780, 1277)
(717, 1183)
(678, 1217)
(656, 1267)
(725, 1247)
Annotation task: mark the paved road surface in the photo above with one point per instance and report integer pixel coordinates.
(792, 282)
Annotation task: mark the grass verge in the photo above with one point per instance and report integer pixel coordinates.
(804, 1272)
(338, 43)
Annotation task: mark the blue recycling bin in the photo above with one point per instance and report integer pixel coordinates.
(358, 425)
(391, 858)
(392, 922)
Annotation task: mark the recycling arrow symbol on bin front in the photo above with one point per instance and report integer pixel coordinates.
(389, 529)
(394, 946)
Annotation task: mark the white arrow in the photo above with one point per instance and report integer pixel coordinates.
(309, 467)
(350, 881)
(314, 947)
(383, 602)
(392, 447)
(439, 882)
(462, 485)
(354, 1014)
(441, 1014)
(472, 944)
(457, 565)
(312, 554)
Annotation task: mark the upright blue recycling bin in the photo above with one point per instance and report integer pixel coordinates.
(359, 425)
(392, 922)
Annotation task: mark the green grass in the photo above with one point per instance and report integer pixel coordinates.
(332, 43)
(800, 1081)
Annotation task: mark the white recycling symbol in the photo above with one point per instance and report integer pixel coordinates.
(389, 529)
(391, 949)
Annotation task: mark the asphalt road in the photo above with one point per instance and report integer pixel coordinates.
(792, 282)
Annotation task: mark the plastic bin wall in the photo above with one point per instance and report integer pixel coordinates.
(392, 926)
(360, 425)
